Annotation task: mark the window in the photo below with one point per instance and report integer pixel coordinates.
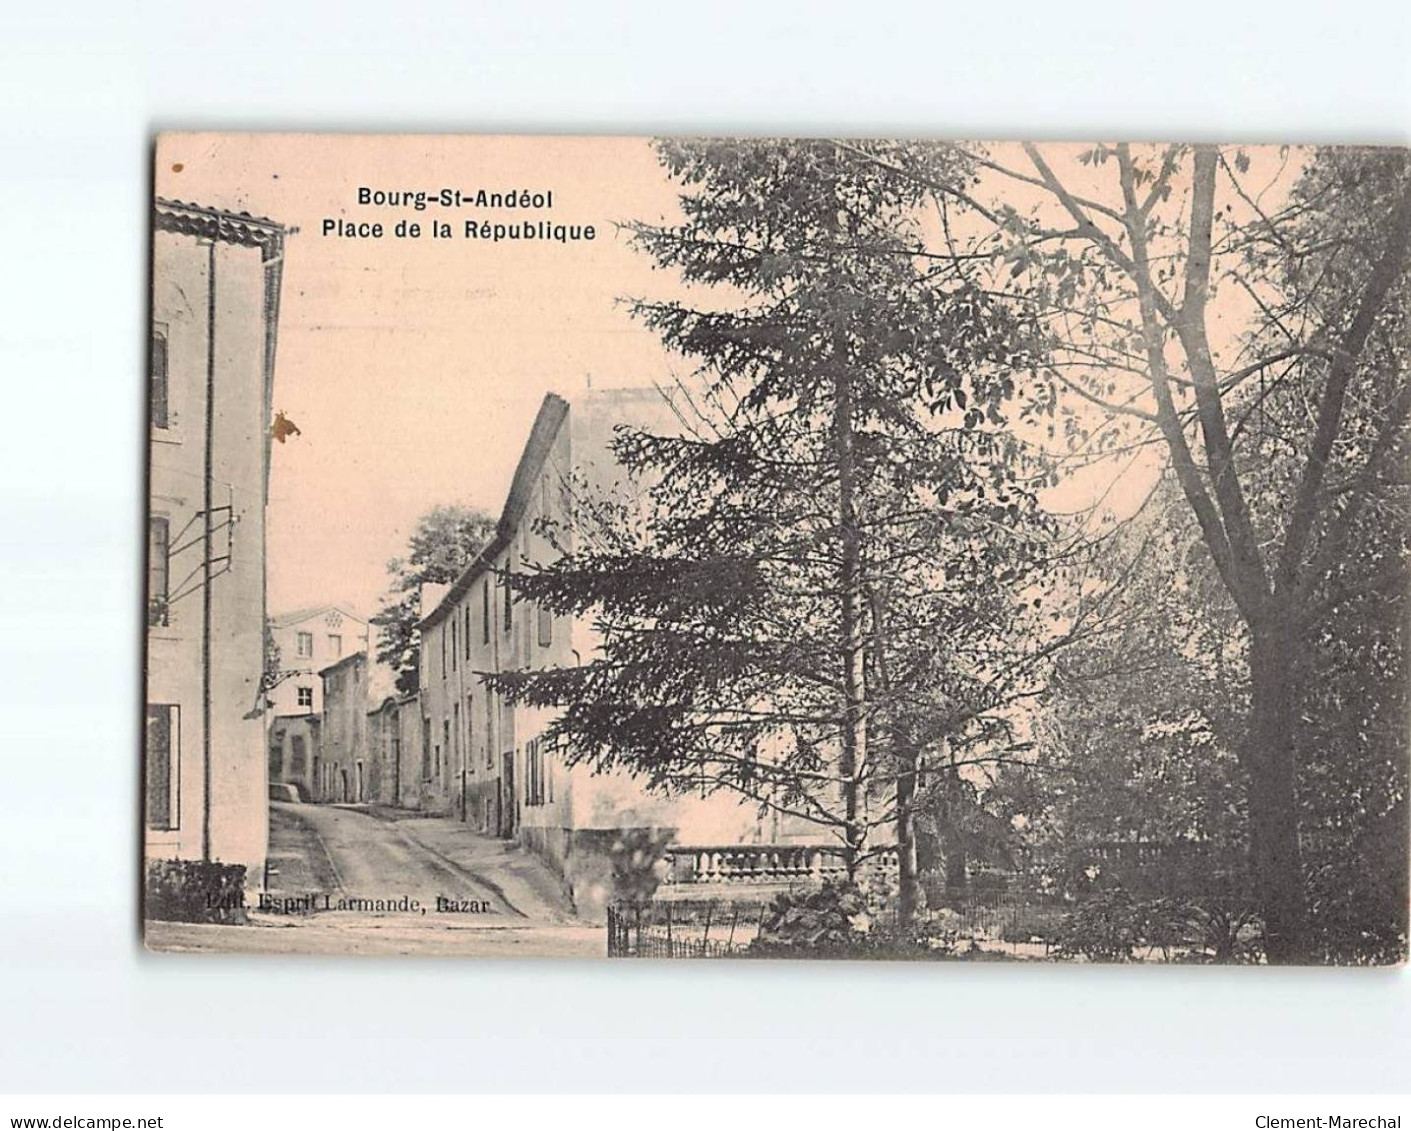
(489, 729)
(509, 591)
(163, 765)
(446, 743)
(506, 725)
(335, 644)
(441, 635)
(425, 748)
(534, 772)
(485, 611)
(469, 732)
(456, 734)
(298, 755)
(546, 625)
(158, 384)
(465, 630)
(306, 697)
(304, 644)
(158, 565)
(454, 649)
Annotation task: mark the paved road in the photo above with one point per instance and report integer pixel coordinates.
(378, 861)
(347, 881)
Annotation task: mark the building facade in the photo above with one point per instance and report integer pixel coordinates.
(215, 306)
(309, 640)
(295, 757)
(487, 760)
(344, 763)
(384, 741)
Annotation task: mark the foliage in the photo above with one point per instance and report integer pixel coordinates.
(1102, 928)
(960, 824)
(1113, 924)
(1029, 927)
(638, 863)
(1248, 316)
(1137, 744)
(820, 923)
(445, 540)
(1224, 933)
(195, 891)
(832, 577)
(271, 675)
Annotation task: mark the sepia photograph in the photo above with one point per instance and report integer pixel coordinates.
(787, 548)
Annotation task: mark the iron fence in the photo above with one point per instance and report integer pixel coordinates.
(683, 928)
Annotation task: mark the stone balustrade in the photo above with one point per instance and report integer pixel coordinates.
(763, 863)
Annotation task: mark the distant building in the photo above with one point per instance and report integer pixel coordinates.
(215, 309)
(384, 746)
(310, 640)
(294, 753)
(343, 753)
(487, 760)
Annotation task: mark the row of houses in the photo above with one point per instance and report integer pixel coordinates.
(454, 748)
(334, 728)
(350, 751)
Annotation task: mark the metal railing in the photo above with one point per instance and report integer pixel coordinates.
(683, 928)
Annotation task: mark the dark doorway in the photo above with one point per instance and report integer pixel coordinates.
(509, 809)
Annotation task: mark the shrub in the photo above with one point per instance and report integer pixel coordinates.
(1225, 934)
(638, 858)
(821, 923)
(836, 921)
(1104, 927)
(195, 891)
(1028, 928)
(1110, 924)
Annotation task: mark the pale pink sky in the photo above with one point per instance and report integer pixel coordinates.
(413, 368)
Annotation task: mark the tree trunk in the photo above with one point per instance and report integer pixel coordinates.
(854, 731)
(906, 761)
(908, 879)
(957, 873)
(1276, 866)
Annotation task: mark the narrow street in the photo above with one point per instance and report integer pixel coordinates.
(350, 880)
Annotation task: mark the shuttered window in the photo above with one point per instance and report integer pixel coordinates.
(158, 384)
(163, 765)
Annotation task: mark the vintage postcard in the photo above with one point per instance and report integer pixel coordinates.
(787, 548)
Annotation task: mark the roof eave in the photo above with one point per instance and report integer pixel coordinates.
(552, 413)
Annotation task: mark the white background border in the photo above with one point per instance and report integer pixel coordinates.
(84, 85)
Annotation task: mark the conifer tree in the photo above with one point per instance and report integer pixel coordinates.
(837, 553)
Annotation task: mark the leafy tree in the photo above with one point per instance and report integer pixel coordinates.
(1138, 779)
(1287, 440)
(833, 565)
(445, 540)
(1136, 747)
